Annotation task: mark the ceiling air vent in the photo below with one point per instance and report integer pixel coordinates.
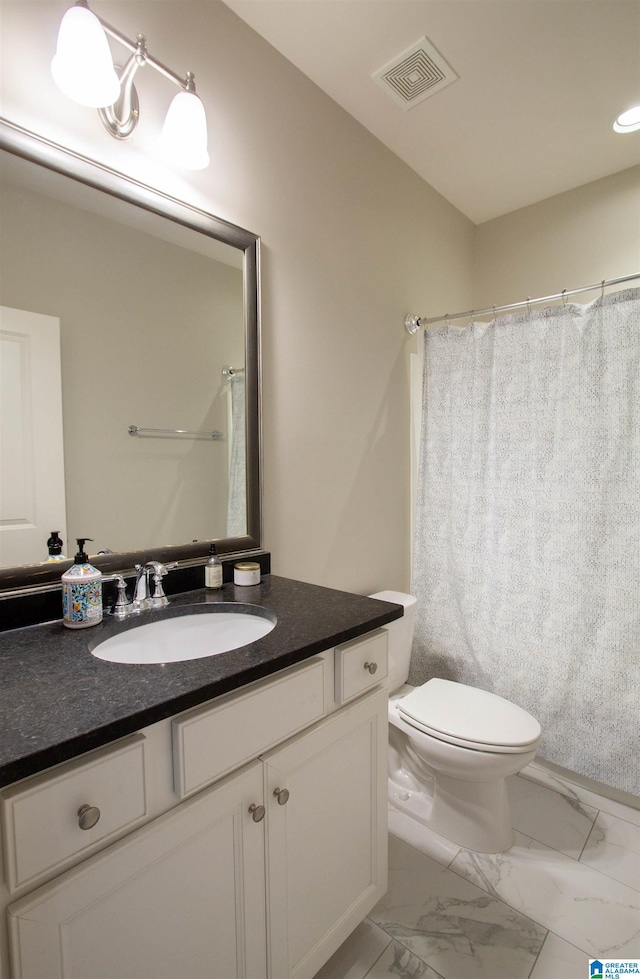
(415, 74)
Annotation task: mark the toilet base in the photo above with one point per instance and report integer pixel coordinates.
(416, 803)
(474, 815)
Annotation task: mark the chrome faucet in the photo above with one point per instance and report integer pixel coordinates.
(141, 586)
(142, 597)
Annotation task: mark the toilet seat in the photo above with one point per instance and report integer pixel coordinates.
(469, 717)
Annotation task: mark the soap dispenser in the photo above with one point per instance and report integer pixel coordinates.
(54, 546)
(81, 592)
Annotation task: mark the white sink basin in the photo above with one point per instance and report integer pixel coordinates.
(207, 632)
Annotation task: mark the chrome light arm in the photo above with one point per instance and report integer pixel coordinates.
(121, 118)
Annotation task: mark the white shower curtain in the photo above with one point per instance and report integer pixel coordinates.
(527, 552)
(237, 499)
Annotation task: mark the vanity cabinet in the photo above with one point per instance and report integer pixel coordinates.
(181, 897)
(327, 844)
(260, 873)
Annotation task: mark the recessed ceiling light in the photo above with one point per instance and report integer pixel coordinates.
(629, 121)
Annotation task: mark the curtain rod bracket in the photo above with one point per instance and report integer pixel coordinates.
(412, 324)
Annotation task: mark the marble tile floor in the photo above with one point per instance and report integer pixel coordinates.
(567, 891)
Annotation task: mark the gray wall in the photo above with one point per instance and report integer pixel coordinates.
(565, 242)
(352, 240)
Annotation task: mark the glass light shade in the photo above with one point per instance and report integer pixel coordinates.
(184, 134)
(83, 67)
(629, 121)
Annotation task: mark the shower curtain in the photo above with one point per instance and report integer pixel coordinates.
(237, 502)
(527, 552)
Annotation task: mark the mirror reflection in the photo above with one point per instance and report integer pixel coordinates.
(123, 373)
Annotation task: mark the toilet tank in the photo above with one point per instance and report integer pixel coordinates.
(400, 636)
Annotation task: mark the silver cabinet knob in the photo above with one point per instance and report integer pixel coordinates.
(282, 795)
(371, 667)
(88, 816)
(257, 812)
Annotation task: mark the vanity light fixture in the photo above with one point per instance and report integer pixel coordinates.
(629, 121)
(83, 69)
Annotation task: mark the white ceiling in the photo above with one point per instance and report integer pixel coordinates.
(540, 82)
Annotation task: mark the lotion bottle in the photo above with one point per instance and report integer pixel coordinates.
(81, 592)
(213, 570)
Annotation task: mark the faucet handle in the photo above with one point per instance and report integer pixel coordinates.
(159, 599)
(161, 569)
(142, 592)
(123, 606)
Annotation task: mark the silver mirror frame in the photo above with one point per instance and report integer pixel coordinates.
(24, 579)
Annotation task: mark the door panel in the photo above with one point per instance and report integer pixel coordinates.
(32, 491)
(327, 845)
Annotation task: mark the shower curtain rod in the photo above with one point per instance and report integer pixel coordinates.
(414, 323)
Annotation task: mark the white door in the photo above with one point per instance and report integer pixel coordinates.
(327, 843)
(32, 497)
(181, 898)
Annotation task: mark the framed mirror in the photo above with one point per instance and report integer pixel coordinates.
(130, 358)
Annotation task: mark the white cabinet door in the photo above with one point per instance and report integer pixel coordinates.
(327, 844)
(181, 898)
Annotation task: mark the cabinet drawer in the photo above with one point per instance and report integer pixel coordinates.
(209, 742)
(360, 664)
(40, 816)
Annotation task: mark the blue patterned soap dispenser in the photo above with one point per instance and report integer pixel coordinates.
(81, 592)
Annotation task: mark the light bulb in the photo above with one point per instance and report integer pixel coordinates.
(83, 67)
(184, 134)
(629, 121)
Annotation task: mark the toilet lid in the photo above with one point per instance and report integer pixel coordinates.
(459, 713)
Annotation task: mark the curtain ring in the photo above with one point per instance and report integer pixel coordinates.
(495, 315)
(564, 297)
(446, 319)
(529, 305)
(602, 289)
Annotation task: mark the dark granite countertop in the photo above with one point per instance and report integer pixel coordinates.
(58, 701)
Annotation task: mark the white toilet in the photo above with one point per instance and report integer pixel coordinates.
(451, 748)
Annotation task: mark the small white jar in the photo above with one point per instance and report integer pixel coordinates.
(246, 573)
